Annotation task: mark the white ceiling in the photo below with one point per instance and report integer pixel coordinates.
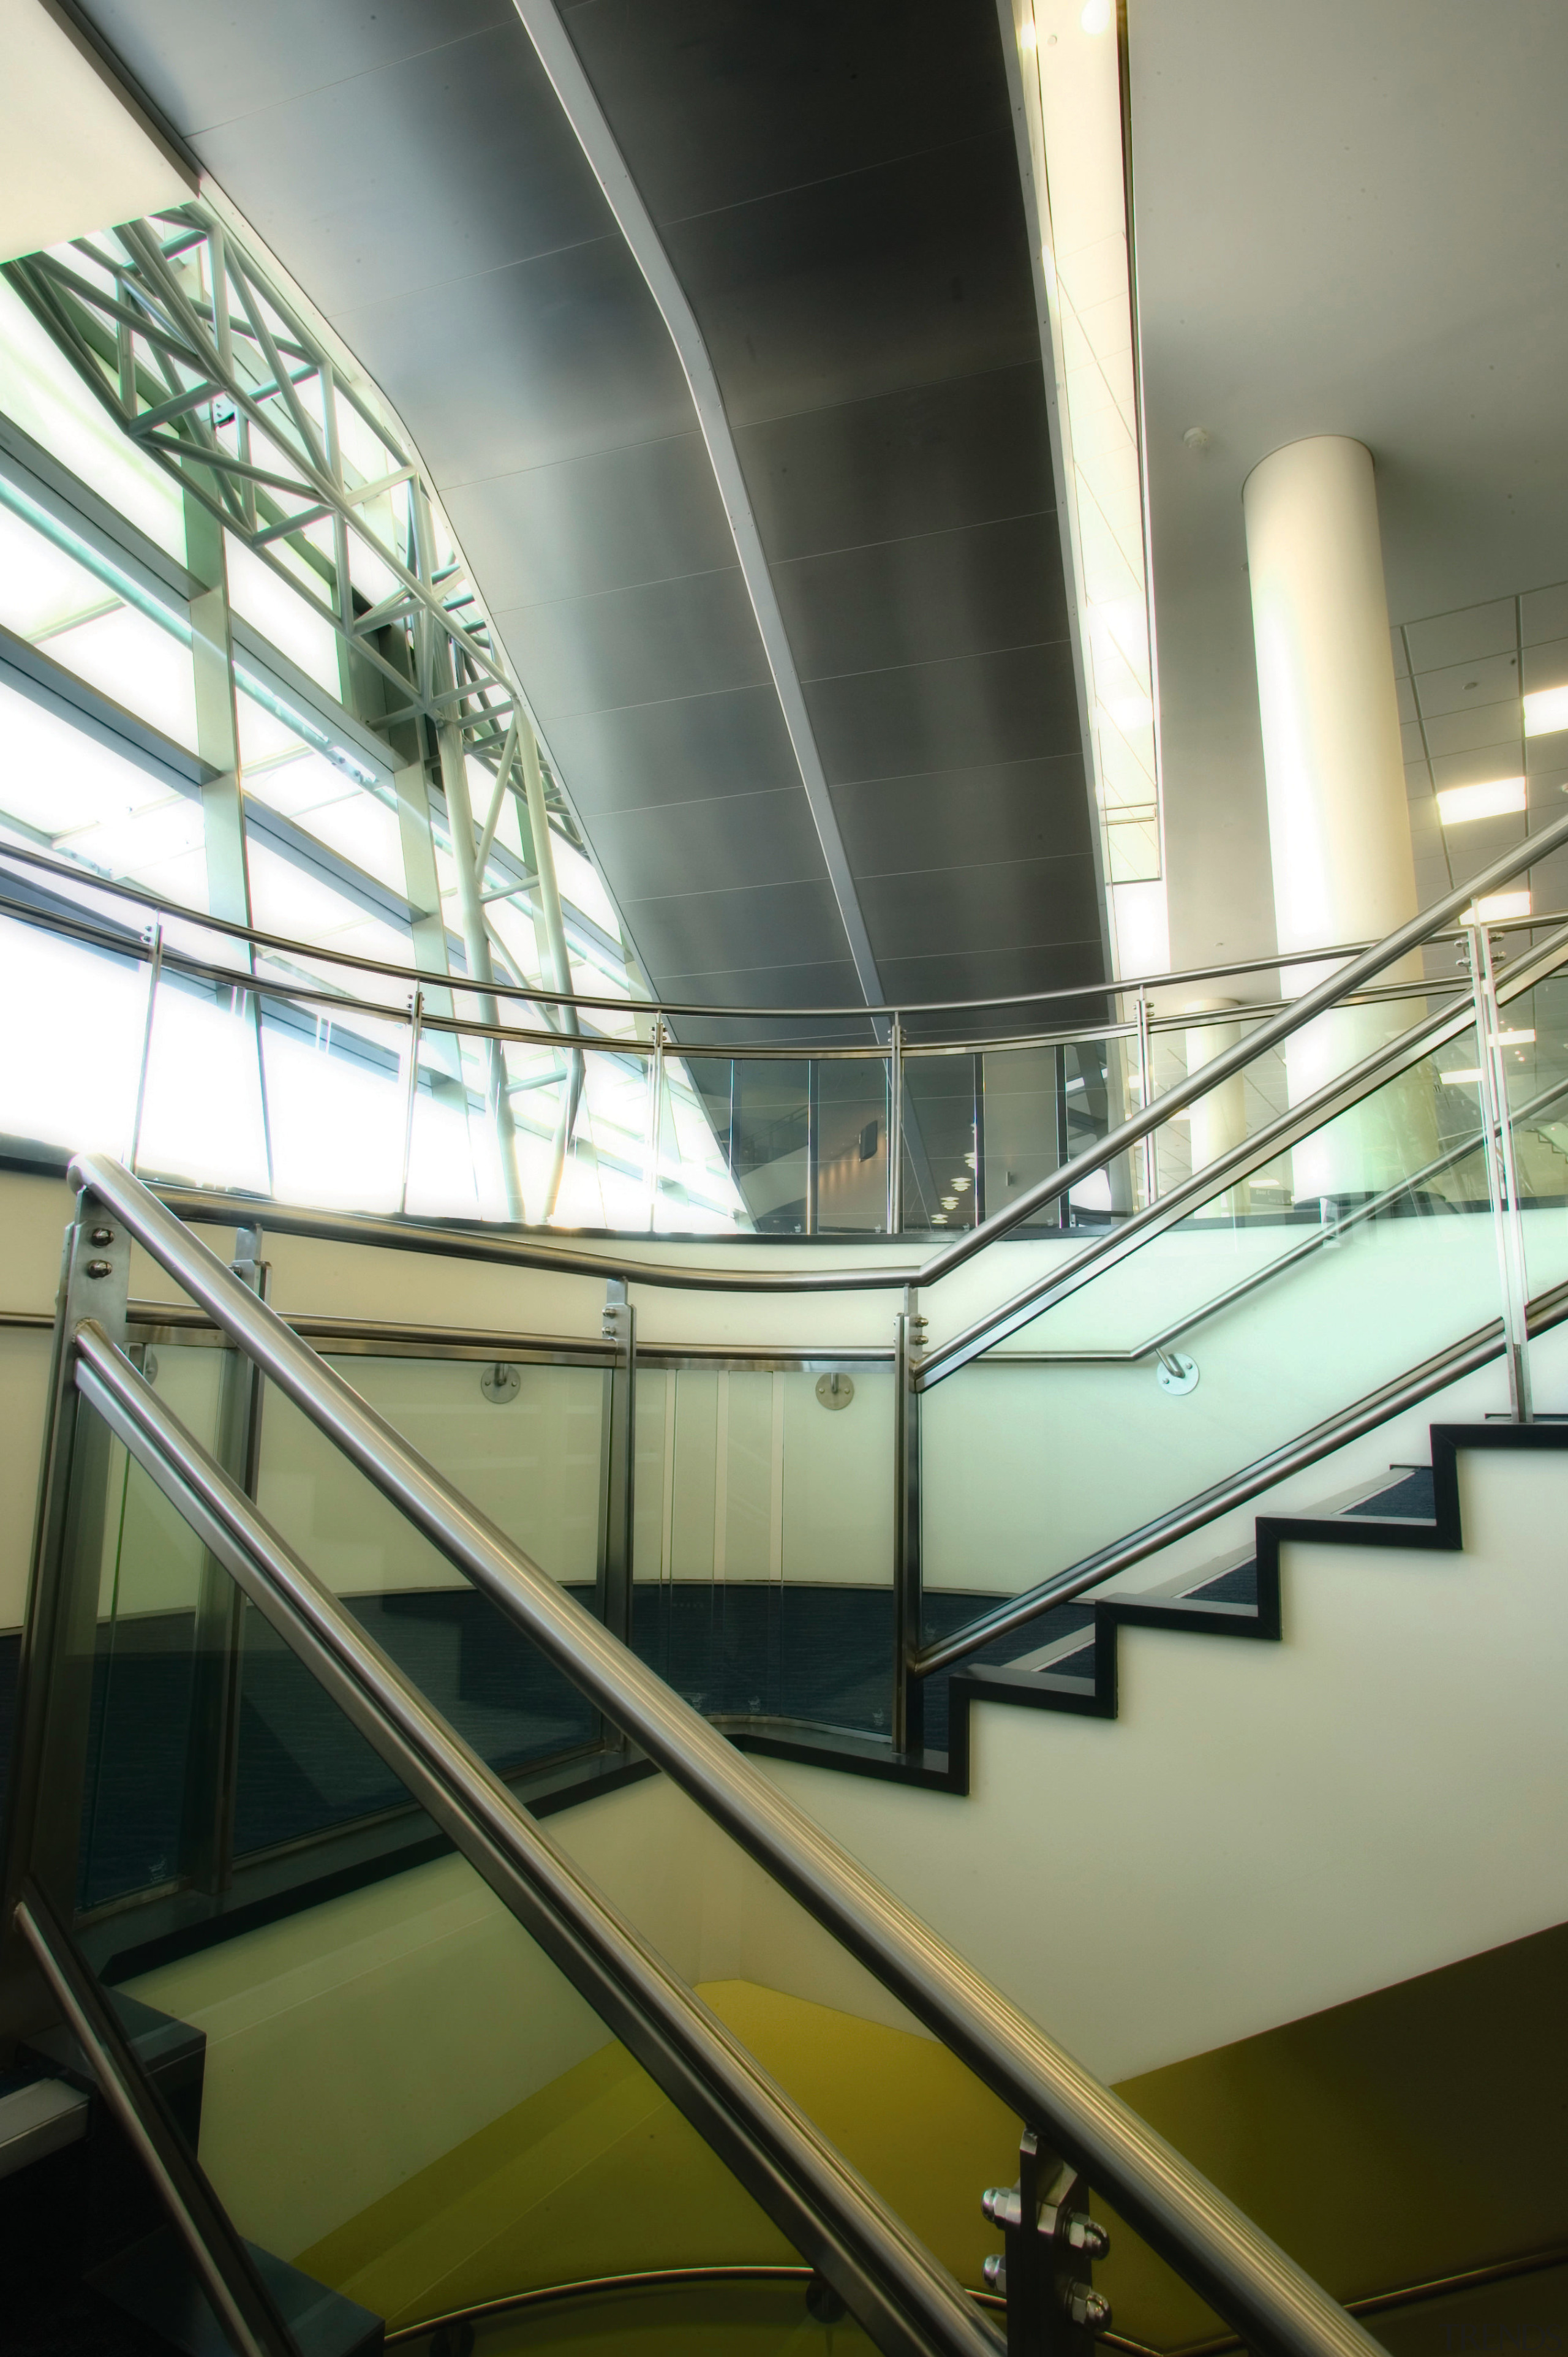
(1351, 218)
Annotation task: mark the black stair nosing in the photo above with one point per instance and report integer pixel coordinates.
(1444, 1535)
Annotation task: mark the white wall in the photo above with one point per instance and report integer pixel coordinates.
(1266, 1830)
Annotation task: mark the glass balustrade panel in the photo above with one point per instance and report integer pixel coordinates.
(1182, 1361)
(389, 2083)
(763, 1542)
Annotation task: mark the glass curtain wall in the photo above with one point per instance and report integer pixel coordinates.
(270, 709)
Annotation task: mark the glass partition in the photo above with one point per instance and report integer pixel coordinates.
(762, 1552)
(1229, 1334)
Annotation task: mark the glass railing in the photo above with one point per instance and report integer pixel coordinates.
(487, 2082)
(212, 1059)
(1165, 1365)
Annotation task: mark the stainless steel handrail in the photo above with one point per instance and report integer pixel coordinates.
(1129, 1132)
(1478, 1348)
(1046, 1291)
(504, 1247)
(906, 2298)
(1118, 986)
(244, 2306)
(300, 991)
(1330, 1231)
(1255, 2286)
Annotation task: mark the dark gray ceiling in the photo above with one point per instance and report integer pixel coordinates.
(837, 188)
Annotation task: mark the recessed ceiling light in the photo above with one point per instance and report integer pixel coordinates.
(1456, 806)
(1545, 710)
(961, 1184)
(939, 1219)
(949, 1201)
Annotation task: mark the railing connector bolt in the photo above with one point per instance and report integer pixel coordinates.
(1088, 2307)
(100, 1236)
(995, 2272)
(100, 1268)
(1000, 2203)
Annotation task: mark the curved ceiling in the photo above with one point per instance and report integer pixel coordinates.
(836, 188)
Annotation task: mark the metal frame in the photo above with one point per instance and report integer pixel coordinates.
(904, 2302)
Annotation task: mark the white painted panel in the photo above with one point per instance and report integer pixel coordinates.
(1266, 1830)
(73, 156)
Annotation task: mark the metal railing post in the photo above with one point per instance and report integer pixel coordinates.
(616, 1568)
(55, 1676)
(908, 1692)
(411, 1094)
(1502, 1179)
(1146, 1096)
(814, 1142)
(155, 968)
(894, 1127)
(212, 1751)
(655, 1120)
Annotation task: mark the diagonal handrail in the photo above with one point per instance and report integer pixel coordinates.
(1269, 2300)
(1331, 1231)
(1434, 1374)
(1046, 1291)
(906, 2298)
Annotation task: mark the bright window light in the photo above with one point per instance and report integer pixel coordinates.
(1096, 16)
(1545, 710)
(1456, 806)
(1497, 910)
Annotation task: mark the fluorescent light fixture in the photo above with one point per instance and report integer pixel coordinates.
(1467, 1079)
(1513, 1040)
(950, 1203)
(1497, 911)
(939, 1219)
(1096, 16)
(1545, 710)
(1456, 806)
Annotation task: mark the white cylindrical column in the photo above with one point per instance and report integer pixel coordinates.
(1218, 1120)
(1338, 824)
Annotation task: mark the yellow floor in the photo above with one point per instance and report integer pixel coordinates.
(598, 2174)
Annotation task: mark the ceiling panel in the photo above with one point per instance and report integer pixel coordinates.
(1026, 810)
(546, 359)
(850, 288)
(838, 189)
(1002, 905)
(514, 182)
(647, 754)
(850, 84)
(646, 511)
(760, 925)
(208, 66)
(661, 639)
(723, 840)
(930, 458)
(1008, 707)
(912, 600)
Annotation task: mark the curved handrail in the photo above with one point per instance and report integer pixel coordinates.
(1263, 2293)
(1121, 986)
